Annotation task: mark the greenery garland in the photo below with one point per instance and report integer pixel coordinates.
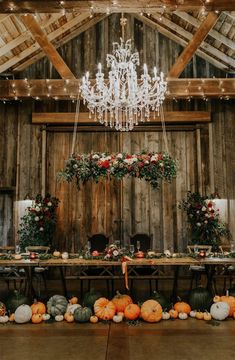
(149, 166)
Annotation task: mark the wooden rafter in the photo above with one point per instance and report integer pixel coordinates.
(30, 22)
(172, 117)
(193, 45)
(213, 33)
(50, 6)
(178, 34)
(61, 89)
(66, 32)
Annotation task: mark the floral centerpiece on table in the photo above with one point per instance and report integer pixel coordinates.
(150, 166)
(38, 224)
(204, 219)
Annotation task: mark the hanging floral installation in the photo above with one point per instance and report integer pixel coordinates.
(150, 166)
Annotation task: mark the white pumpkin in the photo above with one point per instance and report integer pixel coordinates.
(193, 313)
(4, 319)
(46, 317)
(220, 310)
(165, 315)
(183, 316)
(59, 318)
(117, 318)
(23, 314)
(72, 307)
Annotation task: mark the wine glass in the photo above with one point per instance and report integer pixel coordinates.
(138, 245)
(232, 248)
(132, 250)
(17, 249)
(196, 249)
(88, 246)
(117, 243)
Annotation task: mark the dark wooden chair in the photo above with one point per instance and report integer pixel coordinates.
(11, 274)
(143, 272)
(98, 242)
(197, 270)
(39, 272)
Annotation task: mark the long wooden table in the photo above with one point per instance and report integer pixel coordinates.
(175, 262)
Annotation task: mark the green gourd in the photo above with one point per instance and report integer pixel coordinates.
(162, 300)
(200, 299)
(57, 305)
(82, 315)
(91, 297)
(16, 299)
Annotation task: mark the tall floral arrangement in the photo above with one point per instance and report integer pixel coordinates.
(150, 166)
(38, 224)
(204, 219)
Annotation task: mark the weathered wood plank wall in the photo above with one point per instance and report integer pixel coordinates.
(101, 207)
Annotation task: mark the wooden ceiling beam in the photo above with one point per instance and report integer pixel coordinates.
(193, 45)
(99, 6)
(39, 35)
(178, 117)
(68, 89)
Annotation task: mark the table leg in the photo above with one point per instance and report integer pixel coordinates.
(61, 268)
(210, 272)
(175, 284)
(29, 275)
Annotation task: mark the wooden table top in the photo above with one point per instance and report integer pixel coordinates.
(134, 262)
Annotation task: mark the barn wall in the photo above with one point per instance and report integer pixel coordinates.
(119, 209)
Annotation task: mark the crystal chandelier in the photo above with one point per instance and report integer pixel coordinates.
(123, 100)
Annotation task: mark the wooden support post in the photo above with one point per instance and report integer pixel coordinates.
(199, 160)
(44, 148)
(211, 159)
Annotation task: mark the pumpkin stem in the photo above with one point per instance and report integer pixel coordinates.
(227, 292)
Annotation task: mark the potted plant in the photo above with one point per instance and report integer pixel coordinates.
(38, 224)
(204, 219)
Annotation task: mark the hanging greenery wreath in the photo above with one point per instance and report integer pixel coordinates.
(150, 166)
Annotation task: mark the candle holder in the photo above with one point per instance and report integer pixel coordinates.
(33, 256)
(202, 254)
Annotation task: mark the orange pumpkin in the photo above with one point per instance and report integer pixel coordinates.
(37, 318)
(182, 307)
(73, 300)
(38, 308)
(94, 319)
(199, 315)
(230, 300)
(12, 317)
(151, 311)
(121, 301)
(68, 316)
(173, 313)
(132, 312)
(104, 309)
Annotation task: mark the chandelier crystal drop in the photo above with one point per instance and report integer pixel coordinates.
(123, 100)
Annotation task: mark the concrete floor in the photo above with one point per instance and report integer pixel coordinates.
(176, 340)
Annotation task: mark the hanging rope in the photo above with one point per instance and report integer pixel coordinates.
(75, 123)
(165, 142)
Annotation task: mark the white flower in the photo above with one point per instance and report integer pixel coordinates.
(49, 204)
(119, 156)
(205, 222)
(41, 229)
(115, 253)
(191, 215)
(153, 158)
(146, 162)
(198, 224)
(95, 157)
(108, 158)
(203, 208)
(75, 166)
(39, 204)
(37, 208)
(135, 159)
(161, 164)
(197, 211)
(128, 161)
(206, 215)
(36, 218)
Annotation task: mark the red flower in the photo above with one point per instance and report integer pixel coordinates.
(130, 168)
(128, 156)
(105, 164)
(141, 164)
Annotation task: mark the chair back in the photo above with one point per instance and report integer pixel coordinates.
(191, 248)
(146, 241)
(40, 249)
(5, 249)
(98, 242)
(225, 248)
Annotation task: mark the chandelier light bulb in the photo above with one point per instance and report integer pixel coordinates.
(123, 99)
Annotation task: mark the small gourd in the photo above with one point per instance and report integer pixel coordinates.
(117, 318)
(37, 318)
(73, 300)
(183, 316)
(199, 315)
(173, 313)
(207, 316)
(94, 319)
(12, 317)
(69, 317)
(56, 253)
(165, 315)
(59, 318)
(193, 313)
(4, 319)
(220, 310)
(46, 317)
